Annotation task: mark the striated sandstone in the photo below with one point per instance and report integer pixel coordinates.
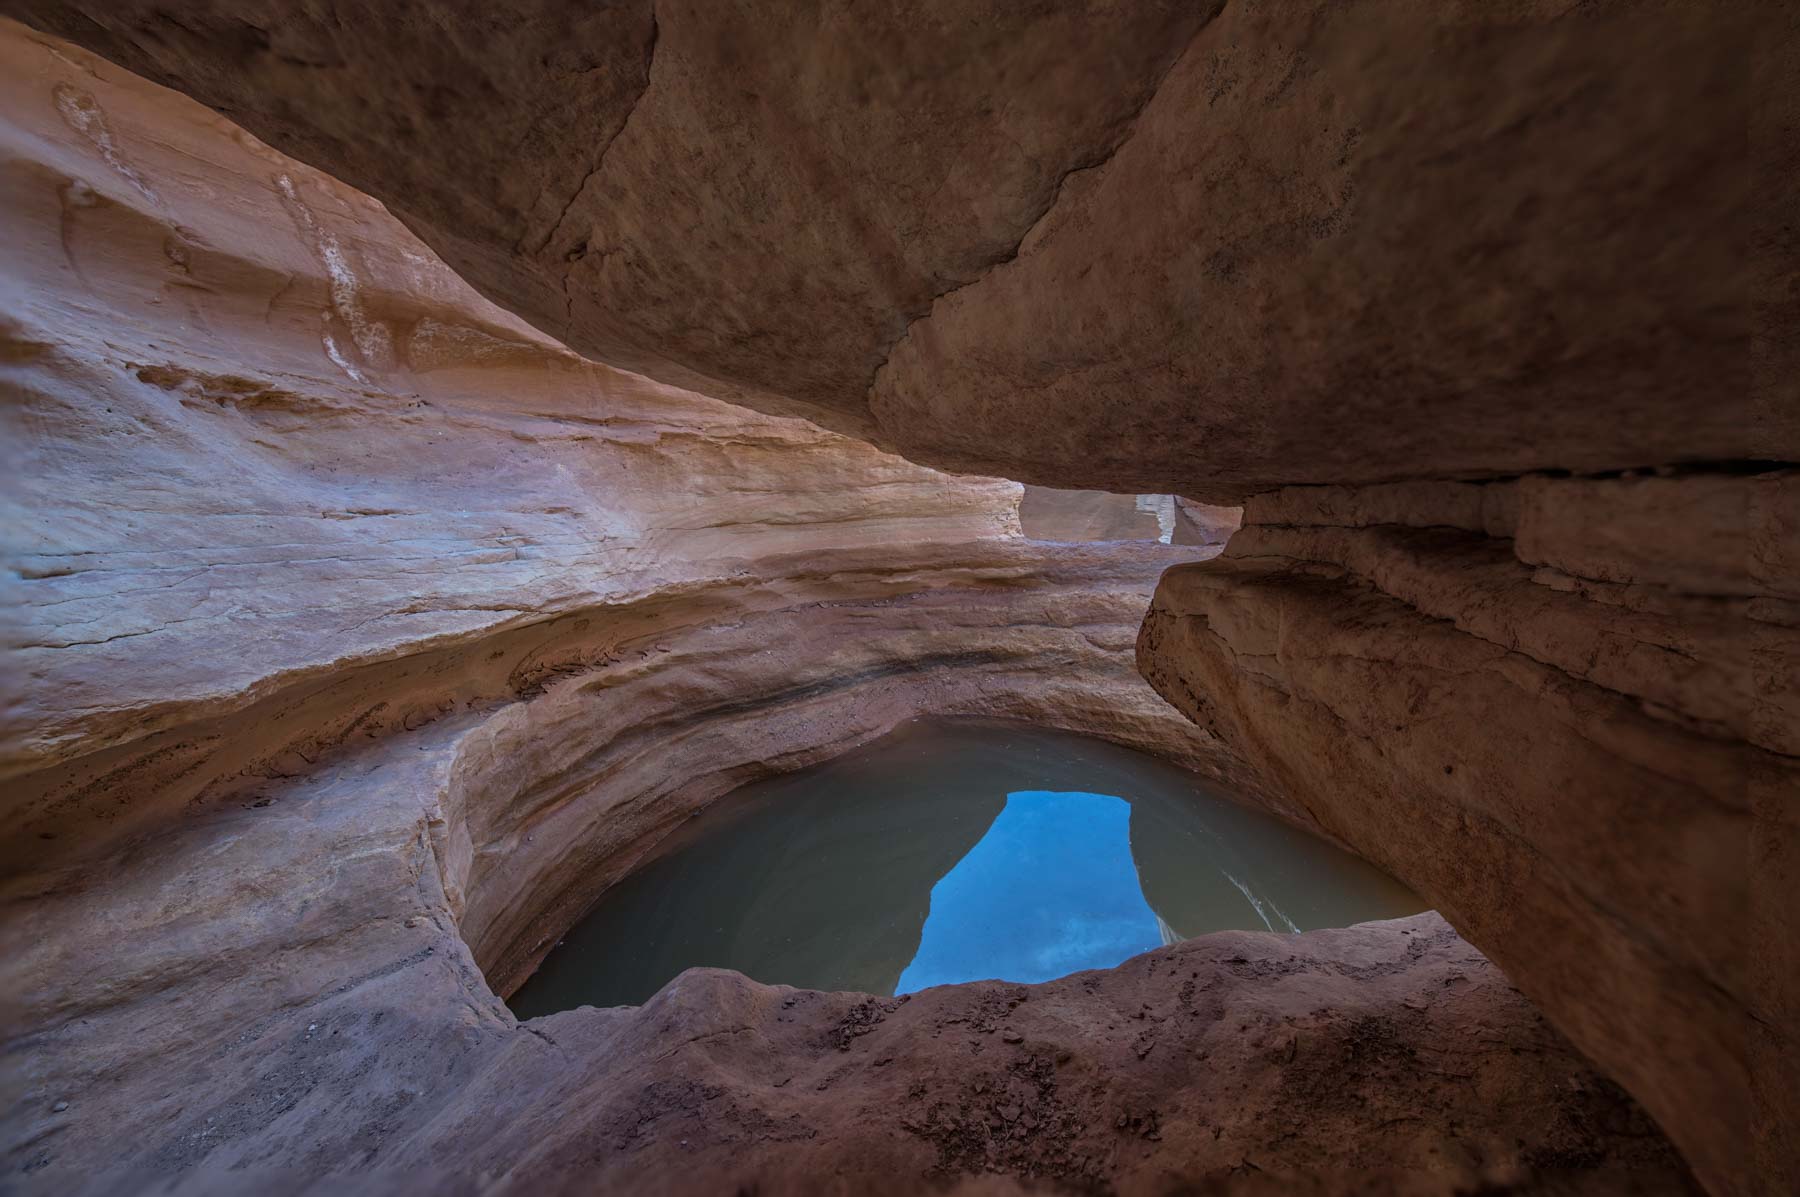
(1046, 513)
(360, 1048)
(270, 450)
(1556, 708)
(349, 600)
(364, 636)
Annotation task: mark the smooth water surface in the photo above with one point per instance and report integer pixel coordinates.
(953, 851)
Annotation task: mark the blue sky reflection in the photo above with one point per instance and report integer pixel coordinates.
(1051, 889)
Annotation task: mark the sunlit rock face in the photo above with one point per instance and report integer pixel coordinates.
(1047, 513)
(263, 442)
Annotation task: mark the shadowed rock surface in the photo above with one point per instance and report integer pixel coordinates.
(1203, 249)
(1558, 708)
(1211, 251)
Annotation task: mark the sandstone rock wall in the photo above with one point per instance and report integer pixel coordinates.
(337, 503)
(1202, 249)
(360, 636)
(277, 471)
(276, 996)
(1563, 710)
(1048, 513)
(1205, 523)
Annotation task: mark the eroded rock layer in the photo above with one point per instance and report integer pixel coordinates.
(1203, 249)
(338, 1033)
(1562, 710)
(363, 636)
(275, 470)
(364, 633)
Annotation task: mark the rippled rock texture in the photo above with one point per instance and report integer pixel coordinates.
(264, 446)
(365, 576)
(368, 636)
(285, 486)
(352, 622)
(338, 1032)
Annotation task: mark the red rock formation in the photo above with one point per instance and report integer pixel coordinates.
(268, 447)
(371, 636)
(1205, 523)
(1557, 708)
(337, 1030)
(1200, 249)
(1046, 513)
(1212, 251)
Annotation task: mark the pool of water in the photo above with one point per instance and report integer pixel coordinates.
(953, 851)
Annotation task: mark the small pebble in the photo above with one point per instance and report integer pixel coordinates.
(59, 1107)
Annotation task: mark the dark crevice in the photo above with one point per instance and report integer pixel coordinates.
(1745, 467)
(600, 161)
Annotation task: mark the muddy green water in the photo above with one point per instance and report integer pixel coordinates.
(953, 851)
